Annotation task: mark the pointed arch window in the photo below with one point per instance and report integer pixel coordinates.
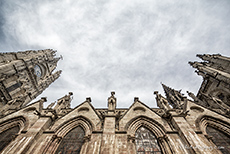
(72, 142)
(146, 142)
(220, 139)
(7, 136)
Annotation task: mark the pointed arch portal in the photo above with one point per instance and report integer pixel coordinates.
(146, 142)
(72, 142)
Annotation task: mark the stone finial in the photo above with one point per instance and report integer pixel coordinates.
(112, 93)
(192, 95)
(44, 99)
(193, 64)
(136, 99)
(112, 101)
(88, 99)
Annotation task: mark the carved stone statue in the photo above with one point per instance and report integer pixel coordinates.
(112, 102)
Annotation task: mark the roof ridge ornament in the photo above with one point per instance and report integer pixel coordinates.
(112, 102)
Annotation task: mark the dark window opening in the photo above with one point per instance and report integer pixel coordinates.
(13, 87)
(2, 98)
(146, 142)
(220, 139)
(7, 136)
(72, 142)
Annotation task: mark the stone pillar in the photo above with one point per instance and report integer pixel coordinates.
(108, 139)
(52, 145)
(192, 142)
(94, 145)
(108, 136)
(131, 144)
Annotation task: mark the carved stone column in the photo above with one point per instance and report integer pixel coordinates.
(131, 144)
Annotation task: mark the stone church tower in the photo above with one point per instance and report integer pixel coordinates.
(23, 76)
(178, 126)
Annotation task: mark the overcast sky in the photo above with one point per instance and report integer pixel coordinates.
(126, 46)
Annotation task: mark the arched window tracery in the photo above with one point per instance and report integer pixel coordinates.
(7, 136)
(146, 142)
(72, 142)
(220, 139)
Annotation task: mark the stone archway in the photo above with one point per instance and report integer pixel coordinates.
(216, 131)
(9, 130)
(146, 142)
(219, 138)
(152, 126)
(72, 142)
(79, 126)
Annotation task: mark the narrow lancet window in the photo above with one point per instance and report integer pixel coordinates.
(146, 142)
(220, 139)
(72, 142)
(7, 136)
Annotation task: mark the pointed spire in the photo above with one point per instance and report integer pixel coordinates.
(161, 101)
(210, 70)
(197, 64)
(56, 75)
(192, 95)
(204, 68)
(205, 57)
(52, 64)
(213, 58)
(174, 97)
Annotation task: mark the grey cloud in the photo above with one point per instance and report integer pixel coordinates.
(126, 46)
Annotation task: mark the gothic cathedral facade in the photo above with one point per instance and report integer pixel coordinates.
(179, 125)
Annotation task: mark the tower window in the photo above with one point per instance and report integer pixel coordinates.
(146, 142)
(13, 87)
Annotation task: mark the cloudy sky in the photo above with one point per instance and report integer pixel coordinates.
(126, 46)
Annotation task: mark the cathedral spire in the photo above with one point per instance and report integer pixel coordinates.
(161, 101)
(174, 97)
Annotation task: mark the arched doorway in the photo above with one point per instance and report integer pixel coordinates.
(146, 142)
(220, 139)
(7, 136)
(72, 142)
